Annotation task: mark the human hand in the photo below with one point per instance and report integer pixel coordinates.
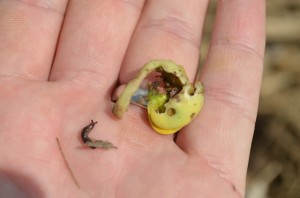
(53, 86)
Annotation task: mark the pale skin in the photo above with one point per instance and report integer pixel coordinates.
(46, 94)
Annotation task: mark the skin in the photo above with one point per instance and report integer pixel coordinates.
(43, 96)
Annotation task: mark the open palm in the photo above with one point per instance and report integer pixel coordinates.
(59, 64)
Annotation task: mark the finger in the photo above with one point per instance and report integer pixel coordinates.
(28, 36)
(93, 41)
(166, 30)
(231, 75)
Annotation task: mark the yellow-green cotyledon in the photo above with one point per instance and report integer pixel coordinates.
(172, 101)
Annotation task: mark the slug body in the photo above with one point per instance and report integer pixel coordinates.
(92, 143)
(86, 130)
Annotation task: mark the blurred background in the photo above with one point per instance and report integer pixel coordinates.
(274, 166)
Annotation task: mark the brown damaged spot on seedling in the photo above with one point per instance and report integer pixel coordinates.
(171, 112)
(193, 115)
(172, 100)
